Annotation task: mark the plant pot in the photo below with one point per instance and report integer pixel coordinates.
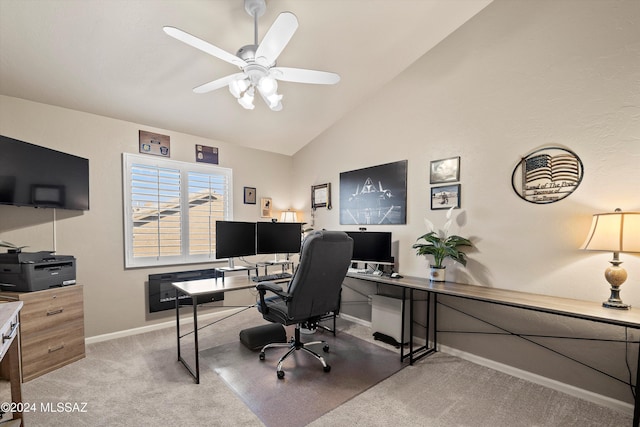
(437, 274)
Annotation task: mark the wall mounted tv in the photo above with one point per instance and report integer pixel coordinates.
(36, 176)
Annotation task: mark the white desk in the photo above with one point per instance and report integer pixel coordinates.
(193, 289)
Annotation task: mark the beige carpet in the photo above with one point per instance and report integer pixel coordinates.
(137, 381)
(306, 392)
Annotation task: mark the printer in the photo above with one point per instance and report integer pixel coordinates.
(35, 271)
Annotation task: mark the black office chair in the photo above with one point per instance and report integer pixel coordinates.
(312, 293)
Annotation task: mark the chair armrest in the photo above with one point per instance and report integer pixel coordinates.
(272, 287)
(269, 286)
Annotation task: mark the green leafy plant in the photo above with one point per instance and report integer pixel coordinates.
(441, 245)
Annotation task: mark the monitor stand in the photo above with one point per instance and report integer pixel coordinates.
(232, 267)
(277, 261)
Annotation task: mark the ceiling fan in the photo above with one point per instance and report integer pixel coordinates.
(257, 62)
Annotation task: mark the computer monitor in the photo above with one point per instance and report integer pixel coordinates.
(371, 246)
(278, 238)
(235, 239)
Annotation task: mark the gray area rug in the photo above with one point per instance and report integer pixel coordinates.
(306, 392)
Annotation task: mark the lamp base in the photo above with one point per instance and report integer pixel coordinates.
(616, 276)
(616, 305)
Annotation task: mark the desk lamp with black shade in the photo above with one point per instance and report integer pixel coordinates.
(614, 232)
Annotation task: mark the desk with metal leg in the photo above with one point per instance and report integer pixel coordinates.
(573, 308)
(200, 288)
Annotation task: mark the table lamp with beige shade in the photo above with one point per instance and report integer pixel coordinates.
(614, 232)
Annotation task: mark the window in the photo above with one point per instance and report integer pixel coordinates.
(170, 210)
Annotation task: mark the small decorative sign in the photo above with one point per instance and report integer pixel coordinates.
(547, 175)
(206, 154)
(154, 143)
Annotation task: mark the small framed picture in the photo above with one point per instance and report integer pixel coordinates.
(249, 195)
(321, 196)
(206, 154)
(445, 197)
(265, 207)
(154, 143)
(445, 170)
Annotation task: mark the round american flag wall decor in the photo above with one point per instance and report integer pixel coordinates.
(547, 175)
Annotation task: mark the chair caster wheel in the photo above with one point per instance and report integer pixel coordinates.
(326, 368)
(280, 374)
(326, 348)
(261, 355)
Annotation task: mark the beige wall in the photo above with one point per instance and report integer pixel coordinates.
(115, 298)
(518, 76)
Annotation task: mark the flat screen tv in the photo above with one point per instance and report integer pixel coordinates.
(278, 237)
(36, 176)
(235, 239)
(371, 246)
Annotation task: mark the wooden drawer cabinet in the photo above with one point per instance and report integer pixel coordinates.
(51, 328)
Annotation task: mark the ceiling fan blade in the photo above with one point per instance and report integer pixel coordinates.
(301, 75)
(277, 37)
(217, 84)
(204, 46)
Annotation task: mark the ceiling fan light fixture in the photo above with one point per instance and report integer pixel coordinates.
(274, 101)
(257, 61)
(246, 100)
(268, 85)
(238, 87)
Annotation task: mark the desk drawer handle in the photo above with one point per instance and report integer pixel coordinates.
(12, 332)
(60, 347)
(52, 312)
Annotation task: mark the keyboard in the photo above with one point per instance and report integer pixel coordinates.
(365, 271)
(271, 277)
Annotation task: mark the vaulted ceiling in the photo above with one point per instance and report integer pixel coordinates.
(111, 58)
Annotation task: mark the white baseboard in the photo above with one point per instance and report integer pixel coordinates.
(155, 327)
(590, 396)
(187, 319)
(355, 320)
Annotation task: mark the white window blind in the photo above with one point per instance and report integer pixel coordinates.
(207, 196)
(170, 210)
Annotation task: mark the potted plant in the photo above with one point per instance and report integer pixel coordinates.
(441, 246)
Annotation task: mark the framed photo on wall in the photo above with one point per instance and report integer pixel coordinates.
(265, 207)
(374, 195)
(154, 143)
(445, 197)
(444, 170)
(249, 195)
(321, 196)
(206, 154)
